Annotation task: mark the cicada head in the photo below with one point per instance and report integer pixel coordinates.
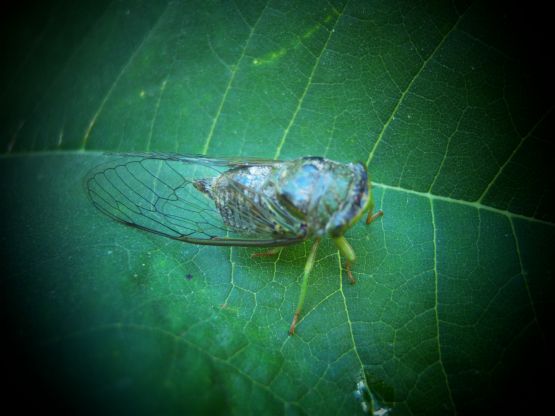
(356, 201)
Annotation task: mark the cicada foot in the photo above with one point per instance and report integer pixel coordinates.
(294, 323)
(347, 251)
(349, 273)
(373, 217)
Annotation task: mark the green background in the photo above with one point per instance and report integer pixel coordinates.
(448, 103)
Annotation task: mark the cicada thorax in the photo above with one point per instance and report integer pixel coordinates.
(246, 201)
(303, 197)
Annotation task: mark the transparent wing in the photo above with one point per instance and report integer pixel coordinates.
(154, 192)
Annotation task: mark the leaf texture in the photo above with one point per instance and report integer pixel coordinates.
(451, 311)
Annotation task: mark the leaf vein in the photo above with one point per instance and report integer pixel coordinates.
(472, 204)
(512, 155)
(349, 322)
(234, 69)
(525, 280)
(436, 309)
(307, 86)
(110, 91)
(408, 88)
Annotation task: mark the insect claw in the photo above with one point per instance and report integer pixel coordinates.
(371, 217)
(349, 273)
(294, 323)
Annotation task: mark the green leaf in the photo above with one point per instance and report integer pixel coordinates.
(448, 107)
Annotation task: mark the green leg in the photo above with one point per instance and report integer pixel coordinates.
(371, 217)
(304, 285)
(347, 251)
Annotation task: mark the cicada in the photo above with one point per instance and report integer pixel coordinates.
(236, 202)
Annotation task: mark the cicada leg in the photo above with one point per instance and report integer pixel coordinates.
(371, 217)
(304, 285)
(347, 251)
(349, 273)
(271, 252)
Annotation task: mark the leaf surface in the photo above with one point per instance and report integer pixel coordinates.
(454, 285)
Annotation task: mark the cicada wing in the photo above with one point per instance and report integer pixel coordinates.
(156, 193)
(214, 162)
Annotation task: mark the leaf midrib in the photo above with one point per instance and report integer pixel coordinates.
(427, 195)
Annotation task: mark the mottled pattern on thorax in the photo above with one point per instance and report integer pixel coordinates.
(242, 196)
